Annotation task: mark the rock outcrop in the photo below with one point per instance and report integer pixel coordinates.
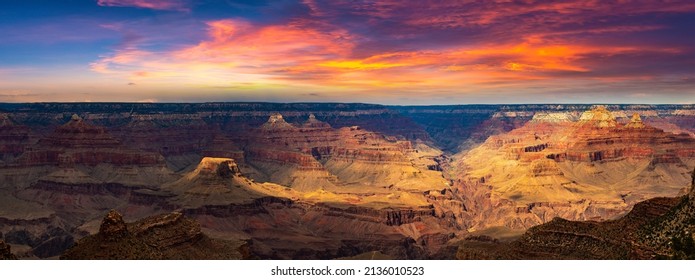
(635, 122)
(313, 122)
(215, 181)
(166, 236)
(5, 252)
(599, 117)
(659, 228)
(277, 123)
(113, 227)
(563, 239)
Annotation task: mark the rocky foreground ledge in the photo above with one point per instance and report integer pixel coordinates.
(165, 236)
(658, 228)
(5, 252)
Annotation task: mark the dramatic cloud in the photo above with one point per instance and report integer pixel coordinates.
(174, 5)
(236, 51)
(404, 51)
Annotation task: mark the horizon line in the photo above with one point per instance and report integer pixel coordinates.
(329, 102)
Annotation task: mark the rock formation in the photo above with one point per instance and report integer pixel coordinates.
(315, 156)
(180, 138)
(659, 228)
(223, 147)
(594, 168)
(14, 139)
(79, 144)
(635, 122)
(314, 223)
(563, 239)
(5, 252)
(166, 236)
(552, 118)
(312, 122)
(598, 117)
(277, 123)
(66, 178)
(113, 227)
(214, 181)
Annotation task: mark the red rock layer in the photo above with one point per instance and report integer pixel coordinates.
(223, 147)
(318, 140)
(83, 144)
(591, 140)
(13, 138)
(313, 154)
(169, 135)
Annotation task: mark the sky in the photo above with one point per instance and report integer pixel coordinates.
(386, 52)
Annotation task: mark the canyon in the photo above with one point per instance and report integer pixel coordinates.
(593, 168)
(330, 180)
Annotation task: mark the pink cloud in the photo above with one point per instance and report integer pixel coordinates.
(545, 46)
(171, 5)
(300, 53)
(235, 51)
(451, 14)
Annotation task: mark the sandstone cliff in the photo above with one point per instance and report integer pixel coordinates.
(591, 169)
(78, 143)
(315, 156)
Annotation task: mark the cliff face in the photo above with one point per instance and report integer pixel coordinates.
(179, 138)
(315, 156)
(457, 128)
(80, 143)
(593, 168)
(89, 153)
(223, 147)
(14, 139)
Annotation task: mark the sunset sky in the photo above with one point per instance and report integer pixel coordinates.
(388, 52)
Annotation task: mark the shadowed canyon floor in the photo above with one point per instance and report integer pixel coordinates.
(325, 181)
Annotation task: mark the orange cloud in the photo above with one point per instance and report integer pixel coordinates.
(274, 46)
(304, 55)
(235, 52)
